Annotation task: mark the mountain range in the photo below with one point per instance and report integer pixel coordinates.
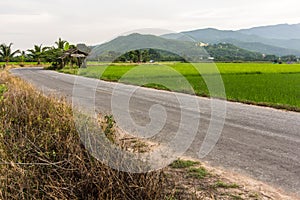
(281, 39)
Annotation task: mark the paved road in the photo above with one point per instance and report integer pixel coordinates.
(263, 143)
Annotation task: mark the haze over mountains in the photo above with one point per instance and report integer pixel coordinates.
(281, 31)
(282, 39)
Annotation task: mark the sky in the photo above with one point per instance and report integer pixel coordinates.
(29, 22)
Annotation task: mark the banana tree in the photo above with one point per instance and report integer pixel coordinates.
(6, 52)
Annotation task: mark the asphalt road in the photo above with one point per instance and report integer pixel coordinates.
(263, 143)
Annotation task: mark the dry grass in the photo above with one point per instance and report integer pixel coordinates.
(42, 156)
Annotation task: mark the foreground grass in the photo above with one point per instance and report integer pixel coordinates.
(41, 155)
(256, 83)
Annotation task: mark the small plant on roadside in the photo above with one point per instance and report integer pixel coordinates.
(140, 146)
(107, 124)
(198, 173)
(177, 164)
(2, 90)
(236, 197)
(221, 184)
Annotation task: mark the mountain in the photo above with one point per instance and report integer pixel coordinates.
(264, 48)
(210, 35)
(280, 31)
(189, 50)
(136, 41)
(259, 39)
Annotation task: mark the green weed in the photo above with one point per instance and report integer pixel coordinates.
(221, 184)
(3, 88)
(177, 164)
(198, 173)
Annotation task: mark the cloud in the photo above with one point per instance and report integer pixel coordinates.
(18, 8)
(13, 19)
(94, 21)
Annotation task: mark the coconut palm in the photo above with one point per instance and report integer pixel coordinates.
(60, 43)
(38, 52)
(6, 52)
(22, 57)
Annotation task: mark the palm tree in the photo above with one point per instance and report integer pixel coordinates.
(6, 52)
(38, 52)
(22, 57)
(60, 43)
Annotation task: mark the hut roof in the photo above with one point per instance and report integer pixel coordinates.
(74, 53)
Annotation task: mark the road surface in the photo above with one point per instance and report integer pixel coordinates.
(263, 143)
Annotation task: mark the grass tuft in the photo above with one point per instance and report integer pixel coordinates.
(177, 164)
(220, 184)
(3, 89)
(198, 173)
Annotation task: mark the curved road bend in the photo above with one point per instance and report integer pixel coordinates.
(263, 143)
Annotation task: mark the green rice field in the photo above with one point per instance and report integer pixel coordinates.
(275, 85)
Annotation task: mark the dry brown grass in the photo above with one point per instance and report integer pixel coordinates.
(42, 156)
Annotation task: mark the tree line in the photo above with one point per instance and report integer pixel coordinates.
(38, 53)
(139, 56)
(218, 52)
(225, 52)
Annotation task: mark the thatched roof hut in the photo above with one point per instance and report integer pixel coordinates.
(77, 53)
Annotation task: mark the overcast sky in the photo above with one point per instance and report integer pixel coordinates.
(29, 22)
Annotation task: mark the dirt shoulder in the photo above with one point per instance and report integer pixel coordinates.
(188, 178)
(219, 183)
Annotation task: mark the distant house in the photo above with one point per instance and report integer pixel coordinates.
(201, 44)
(78, 54)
